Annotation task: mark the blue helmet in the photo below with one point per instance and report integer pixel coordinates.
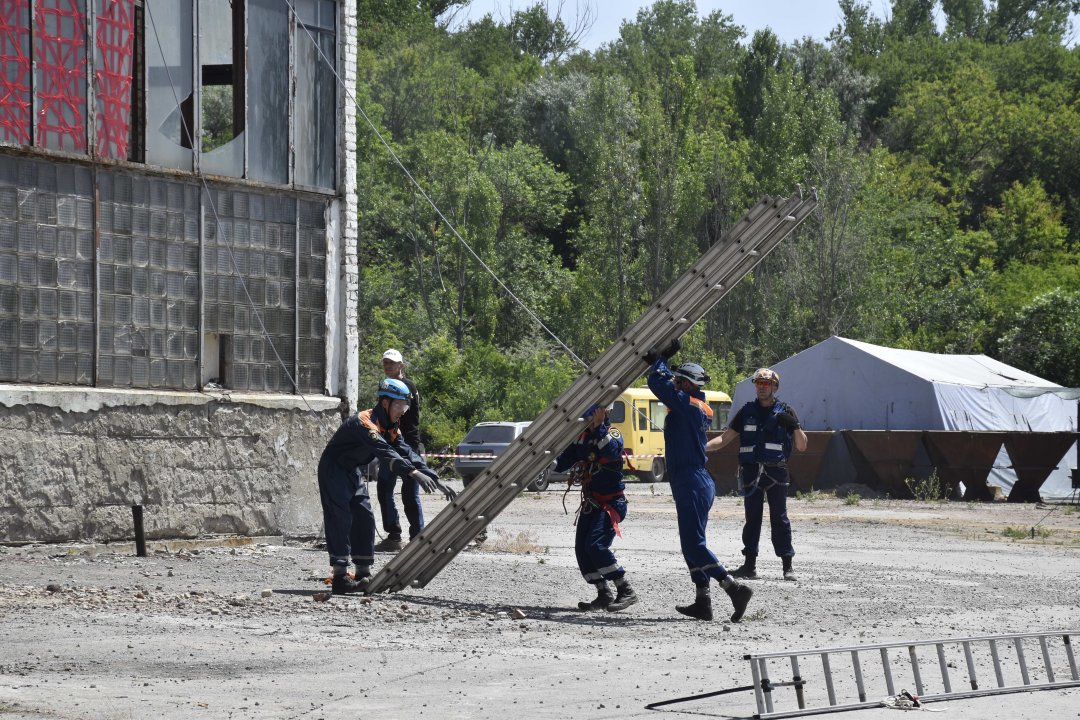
(593, 408)
(394, 389)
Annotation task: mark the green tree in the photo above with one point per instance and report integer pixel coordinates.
(1044, 339)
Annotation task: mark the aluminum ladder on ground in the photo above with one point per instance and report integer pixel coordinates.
(683, 304)
(831, 666)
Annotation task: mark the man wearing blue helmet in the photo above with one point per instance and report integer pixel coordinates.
(693, 489)
(596, 457)
(347, 513)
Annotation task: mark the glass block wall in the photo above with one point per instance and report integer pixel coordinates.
(148, 282)
(46, 273)
(132, 313)
(311, 306)
(261, 232)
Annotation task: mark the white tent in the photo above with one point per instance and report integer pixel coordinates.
(842, 384)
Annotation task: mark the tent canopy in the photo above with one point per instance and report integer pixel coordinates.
(842, 384)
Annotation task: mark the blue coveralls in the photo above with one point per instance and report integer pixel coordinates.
(689, 416)
(603, 504)
(410, 489)
(347, 513)
(764, 447)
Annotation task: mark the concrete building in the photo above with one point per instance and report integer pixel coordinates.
(178, 271)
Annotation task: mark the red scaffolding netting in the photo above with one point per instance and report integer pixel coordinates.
(15, 71)
(61, 64)
(115, 36)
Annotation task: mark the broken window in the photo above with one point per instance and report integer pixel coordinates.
(15, 72)
(169, 72)
(60, 78)
(268, 29)
(221, 90)
(316, 94)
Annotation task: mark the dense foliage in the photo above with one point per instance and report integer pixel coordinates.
(946, 162)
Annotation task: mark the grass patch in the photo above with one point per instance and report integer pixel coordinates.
(852, 499)
(1018, 533)
(929, 489)
(809, 496)
(524, 543)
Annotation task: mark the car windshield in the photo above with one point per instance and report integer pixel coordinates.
(490, 434)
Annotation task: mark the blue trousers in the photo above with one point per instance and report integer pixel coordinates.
(592, 543)
(694, 492)
(771, 485)
(347, 515)
(410, 499)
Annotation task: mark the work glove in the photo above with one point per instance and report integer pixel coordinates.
(787, 421)
(431, 483)
(673, 347)
(652, 356)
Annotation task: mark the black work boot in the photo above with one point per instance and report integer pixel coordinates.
(789, 574)
(624, 599)
(601, 602)
(345, 584)
(701, 608)
(748, 570)
(390, 543)
(740, 597)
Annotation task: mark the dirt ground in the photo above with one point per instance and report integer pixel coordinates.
(204, 630)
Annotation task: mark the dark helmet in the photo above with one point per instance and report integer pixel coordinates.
(692, 372)
(394, 389)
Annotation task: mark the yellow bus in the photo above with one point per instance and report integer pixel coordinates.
(639, 416)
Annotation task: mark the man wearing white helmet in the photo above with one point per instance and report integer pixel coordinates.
(693, 489)
(347, 515)
(394, 367)
(767, 429)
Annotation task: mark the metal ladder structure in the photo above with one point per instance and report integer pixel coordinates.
(683, 304)
(848, 691)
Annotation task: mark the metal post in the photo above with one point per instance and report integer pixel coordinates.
(140, 535)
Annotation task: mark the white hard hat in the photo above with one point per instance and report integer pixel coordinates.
(392, 355)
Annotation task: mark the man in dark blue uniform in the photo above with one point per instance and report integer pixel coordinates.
(688, 417)
(347, 513)
(596, 457)
(394, 367)
(767, 429)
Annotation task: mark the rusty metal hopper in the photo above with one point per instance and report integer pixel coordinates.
(965, 456)
(805, 466)
(1033, 456)
(724, 466)
(883, 458)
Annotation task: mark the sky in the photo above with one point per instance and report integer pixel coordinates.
(790, 19)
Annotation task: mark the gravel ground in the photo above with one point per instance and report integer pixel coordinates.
(204, 630)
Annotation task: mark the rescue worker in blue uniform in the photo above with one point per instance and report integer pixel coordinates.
(394, 367)
(347, 513)
(767, 430)
(596, 457)
(693, 489)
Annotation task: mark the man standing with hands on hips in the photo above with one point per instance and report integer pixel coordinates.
(767, 429)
